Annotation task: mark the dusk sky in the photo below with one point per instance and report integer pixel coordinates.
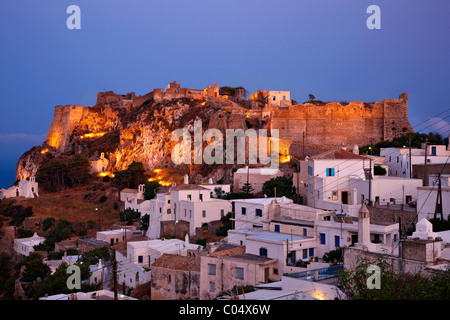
(321, 47)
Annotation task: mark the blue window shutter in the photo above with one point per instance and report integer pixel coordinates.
(328, 172)
(311, 252)
(332, 172)
(277, 228)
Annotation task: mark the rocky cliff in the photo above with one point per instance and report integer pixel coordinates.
(127, 133)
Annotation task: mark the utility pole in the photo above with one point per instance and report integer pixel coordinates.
(410, 163)
(400, 251)
(438, 208)
(370, 182)
(298, 178)
(115, 274)
(425, 171)
(99, 224)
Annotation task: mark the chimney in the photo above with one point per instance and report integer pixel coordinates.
(364, 228)
(186, 179)
(210, 181)
(186, 238)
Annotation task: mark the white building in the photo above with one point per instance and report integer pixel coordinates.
(144, 253)
(93, 295)
(398, 159)
(131, 274)
(99, 164)
(295, 289)
(287, 248)
(26, 188)
(194, 204)
(251, 213)
(115, 236)
(426, 202)
(132, 195)
(328, 175)
(255, 177)
(187, 202)
(25, 245)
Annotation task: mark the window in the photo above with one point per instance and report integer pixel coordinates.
(240, 273)
(201, 197)
(212, 269)
(211, 287)
(240, 185)
(258, 212)
(433, 151)
(310, 170)
(190, 213)
(305, 253)
(277, 228)
(168, 211)
(244, 210)
(185, 213)
(311, 252)
(255, 186)
(204, 213)
(140, 259)
(330, 172)
(263, 252)
(222, 212)
(169, 279)
(322, 238)
(334, 195)
(160, 209)
(337, 241)
(305, 231)
(397, 159)
(168, 201)
(390, 159)
(189, 197)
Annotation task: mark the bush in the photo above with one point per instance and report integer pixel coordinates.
(102, 199)
(22, 233)
(333, 255)
(201, 242)
(129, 215)
(48, 223)
(106, 179)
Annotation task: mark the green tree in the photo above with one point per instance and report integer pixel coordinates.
(48, 223)
(219, 192)
(379, 171)
(247, 188)
(92, 256)
(393, 286)
(222, 231)
(145, 222)
(283, 187)
(132, 177)
(150, 189)
(129, 215)
(35, 268)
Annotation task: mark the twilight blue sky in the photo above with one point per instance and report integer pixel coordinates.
(315, 46)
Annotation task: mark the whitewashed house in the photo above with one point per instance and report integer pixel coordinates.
(193, 203)
(26, 188)
(427, 196)
(398, 159)
(115, 236)
(251, 213)
(131, 274)
(25, 246)
(144, 253)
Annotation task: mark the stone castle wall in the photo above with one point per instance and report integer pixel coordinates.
(64, 121)
(334, 124)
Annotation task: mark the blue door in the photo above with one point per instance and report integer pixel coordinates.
(337, 241)
(293, 259)
(277, 228)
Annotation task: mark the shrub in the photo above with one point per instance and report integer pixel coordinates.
(103, 199)
(48, 223)
(23, 233)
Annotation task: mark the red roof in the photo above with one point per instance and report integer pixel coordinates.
(338, 153)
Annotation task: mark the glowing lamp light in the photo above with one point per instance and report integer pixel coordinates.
(44, 151)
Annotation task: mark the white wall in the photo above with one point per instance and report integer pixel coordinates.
(426, 202)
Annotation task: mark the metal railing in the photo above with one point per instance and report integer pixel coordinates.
(316, 274)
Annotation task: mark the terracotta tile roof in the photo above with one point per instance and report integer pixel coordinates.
(171, 261)
(337, 153)
(228, 252)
